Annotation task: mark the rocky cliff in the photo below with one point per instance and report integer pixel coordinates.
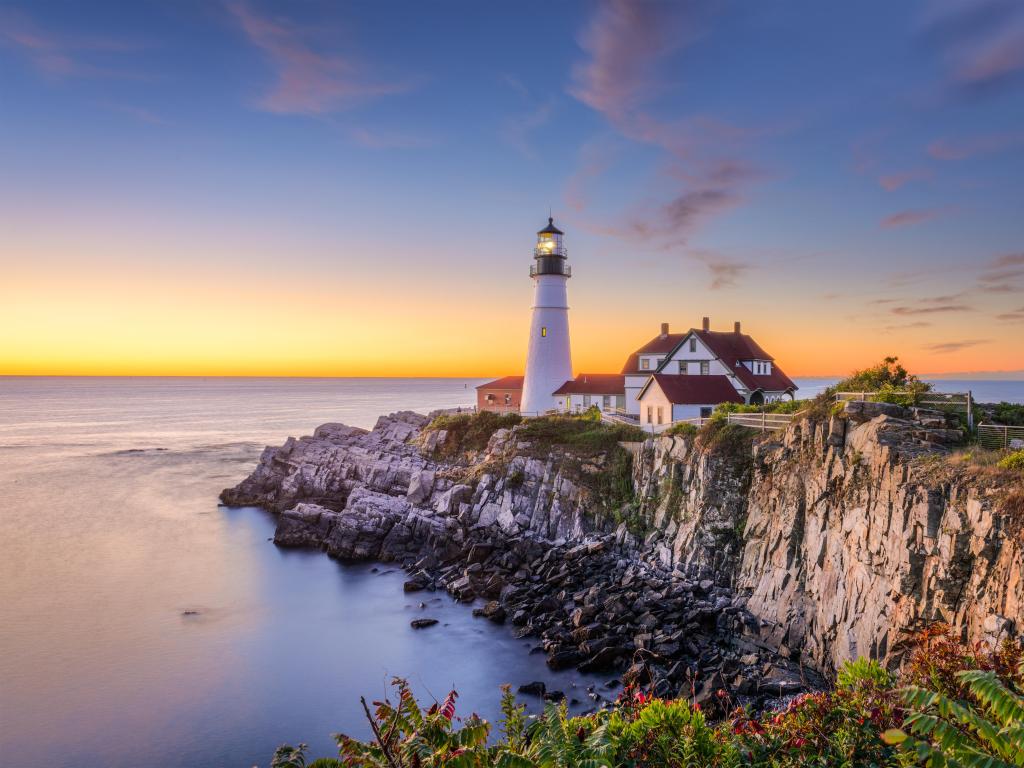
(741, 562)
(846, 533)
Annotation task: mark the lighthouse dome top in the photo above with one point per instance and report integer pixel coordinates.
(550, 229)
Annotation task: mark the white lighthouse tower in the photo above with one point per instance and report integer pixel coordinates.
(548, 360)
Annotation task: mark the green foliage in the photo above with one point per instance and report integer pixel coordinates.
(1014, 460)
(987, 729)
(888, 375)
(470, 431)
(1010, 414)
(975, 720)
(580, 432)
(730, 440)
(681, 429)
(779, 406)
(863, 672)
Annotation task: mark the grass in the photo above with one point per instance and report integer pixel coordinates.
(469, 431)
(582, 433)
(1013, 461)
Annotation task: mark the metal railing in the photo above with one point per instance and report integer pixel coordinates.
(551, 268)
(1001, 437)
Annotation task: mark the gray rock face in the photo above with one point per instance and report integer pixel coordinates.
(842, 537)
(832, 539)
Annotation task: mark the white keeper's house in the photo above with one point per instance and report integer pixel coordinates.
(673, 376)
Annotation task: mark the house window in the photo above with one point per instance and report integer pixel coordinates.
(607, 402)
(683, 367)
(508, 399)
(586, 401)
(543, 330)
(705, 411)
(645, 364)
(650, 413)
(705, 367)
(693, 345)
(661, 415)
(490, 397)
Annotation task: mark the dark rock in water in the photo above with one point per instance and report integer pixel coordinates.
(536, 688)
(564, 659)
(190, 613)
(422, 623)
(415, 585)
(554, 696)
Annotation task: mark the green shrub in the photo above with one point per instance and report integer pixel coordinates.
(863, 672)
(1010, 414)
(1014, 460)
(681, 429)
(578, 431)
(470, 431)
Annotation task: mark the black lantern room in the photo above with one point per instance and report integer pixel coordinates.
(549, 254)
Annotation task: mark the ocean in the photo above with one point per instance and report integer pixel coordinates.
(111, 532)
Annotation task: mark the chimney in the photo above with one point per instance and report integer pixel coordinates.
(736, 327)
(706, 324)
(664, 330)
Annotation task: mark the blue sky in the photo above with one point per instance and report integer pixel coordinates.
(809, 168)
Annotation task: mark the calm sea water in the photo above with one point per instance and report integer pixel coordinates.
(110, 530)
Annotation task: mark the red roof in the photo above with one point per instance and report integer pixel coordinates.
(681, 389)
(505, 382)
(731, 347)
(659, 343)
(594, 384)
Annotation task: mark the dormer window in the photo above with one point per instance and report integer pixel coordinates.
(645, 364)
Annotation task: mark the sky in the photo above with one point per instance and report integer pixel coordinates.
(312, 188)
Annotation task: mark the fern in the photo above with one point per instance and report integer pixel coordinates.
(947, 732)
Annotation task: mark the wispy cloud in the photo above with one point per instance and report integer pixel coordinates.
(961, 149)
(1014, 316)
(955, 346)
(907, 326)
(627, 45)
(309, 81)
(893, 181)
(724, 271)
(1001, 274)
(936, 309)
(910, 217)
(61, 56)
(981, 42)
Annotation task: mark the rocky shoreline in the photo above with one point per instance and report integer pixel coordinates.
(719, 590)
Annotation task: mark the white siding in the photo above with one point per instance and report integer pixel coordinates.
(653, 399)
(578, 403)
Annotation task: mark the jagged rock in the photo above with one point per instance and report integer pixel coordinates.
(536, 688)
(422, 623)
(831, 542)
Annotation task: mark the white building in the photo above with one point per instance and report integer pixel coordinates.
(548, 358)
(604, 391)
(670, 397)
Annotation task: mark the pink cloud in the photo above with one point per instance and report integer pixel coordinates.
(308, 81)
(909, 217)
(894, 181)
(626, 45)
(60, 56)
(994, 61)
(951, 149)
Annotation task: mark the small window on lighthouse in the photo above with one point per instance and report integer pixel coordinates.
(543, 330)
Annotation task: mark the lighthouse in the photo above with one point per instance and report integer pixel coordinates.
(548, 359)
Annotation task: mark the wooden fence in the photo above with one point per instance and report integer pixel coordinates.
(1000, 437)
